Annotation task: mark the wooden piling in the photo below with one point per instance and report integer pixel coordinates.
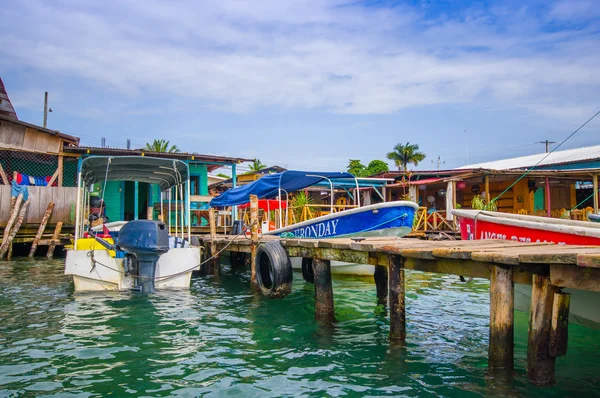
(324, 309)
(381, 283)
(559, 326)
(3, 176)
(396, 295)
(253, 236)
(214, 264)
(14, 211)
(540, 365)
(41, 229)
(15, 229)
(55, 236)
(502, 322)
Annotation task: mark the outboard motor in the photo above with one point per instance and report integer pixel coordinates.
(146, 241)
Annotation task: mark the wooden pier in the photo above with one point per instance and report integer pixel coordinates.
(547, 267)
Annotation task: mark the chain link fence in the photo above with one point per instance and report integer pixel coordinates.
(36, 169)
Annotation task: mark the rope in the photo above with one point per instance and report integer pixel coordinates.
(541, 160)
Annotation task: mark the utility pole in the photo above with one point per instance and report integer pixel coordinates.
(45, 109)
(547, 144)
(439, 162)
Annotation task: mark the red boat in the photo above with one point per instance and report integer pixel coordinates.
(480, 224)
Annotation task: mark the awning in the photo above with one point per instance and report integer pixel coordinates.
(268, 186)
(416, 182)
(164, 172)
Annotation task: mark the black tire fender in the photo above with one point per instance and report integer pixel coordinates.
(274, 272)
(308, 273)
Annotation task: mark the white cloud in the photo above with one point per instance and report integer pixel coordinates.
(337, 55)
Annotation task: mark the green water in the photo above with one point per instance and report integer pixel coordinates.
(218, 339)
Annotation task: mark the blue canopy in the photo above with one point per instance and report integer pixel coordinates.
(268, 186)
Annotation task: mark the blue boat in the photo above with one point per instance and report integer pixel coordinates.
(382, 219)
(594, 217)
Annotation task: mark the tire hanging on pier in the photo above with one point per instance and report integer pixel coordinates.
(274, 272)
(308, 273)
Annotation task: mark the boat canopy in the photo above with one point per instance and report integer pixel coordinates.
(269, 186)
(164, 172)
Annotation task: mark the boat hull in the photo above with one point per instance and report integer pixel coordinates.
(382, 219)
(491, 225)
(173, 270)
(594, 217)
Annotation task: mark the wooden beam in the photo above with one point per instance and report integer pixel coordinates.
(540, 365)
(583, 278)
(41, 229)
(53, 178)
(324, 308)
(60, 170)
(502, 322)
(397, 299)
(559, 328)
(55, 236)
(15, 229)
(3, 175)
(253, 237)
(11, 219)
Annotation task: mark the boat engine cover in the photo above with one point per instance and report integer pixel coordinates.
(144, 237)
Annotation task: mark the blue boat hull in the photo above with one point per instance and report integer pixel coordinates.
(383, 219)
(594, 217)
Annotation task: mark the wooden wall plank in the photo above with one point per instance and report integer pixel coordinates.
(41, 142)
(29, 139)
(54, 145)
(5, 132)
(17, 137)
(34, 206)
(4, 204)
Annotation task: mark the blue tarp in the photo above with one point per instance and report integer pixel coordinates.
(267, 187)
(16, 189)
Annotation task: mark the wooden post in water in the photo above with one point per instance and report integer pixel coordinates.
(55, 236)
(559, 326)
(540, 365)
(381, 283)
(253, 237)
(214, 264)
(324, 309)
(502, 321)
(41, 229)
(396, 294)
(15, 229)
(14, 210)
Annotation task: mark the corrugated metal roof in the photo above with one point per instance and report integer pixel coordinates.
(555, 158)
(6, 107)
(174, 155)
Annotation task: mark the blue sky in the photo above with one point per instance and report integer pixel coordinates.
(309, 84)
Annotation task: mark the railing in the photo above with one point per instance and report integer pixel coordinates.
(432, 221)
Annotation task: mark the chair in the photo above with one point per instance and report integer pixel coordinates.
(523, 211)
(577, 215)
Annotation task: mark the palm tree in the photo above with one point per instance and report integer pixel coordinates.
(161, 146)
(405, 154)
(257, 166)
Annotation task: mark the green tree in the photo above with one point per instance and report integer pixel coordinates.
(161, 146)
(257, 166)
(405, 154)
(356, 167)
(376, 166)
(223, 175)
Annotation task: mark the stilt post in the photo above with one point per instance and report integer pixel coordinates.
(41, 229)
(253, 237)
(15, 229)
(324, 309)
(214, 263)
(559, 327)
(540, 365)
(14, 211)
(502, 320)
(397, 303)
(381, 283)
(55, 236)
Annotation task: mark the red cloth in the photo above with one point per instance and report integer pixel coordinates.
(266, 204)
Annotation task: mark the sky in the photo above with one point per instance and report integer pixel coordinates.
(309, 84)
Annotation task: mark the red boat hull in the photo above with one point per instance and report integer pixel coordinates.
(489, 230)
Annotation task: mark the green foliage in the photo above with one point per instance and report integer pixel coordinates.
(402, 155)
(256, 166)
(479, 203)
(297, 201)
(360, 170)
(223, 175)
(356, 167)
(161, 146)
(377, 166)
